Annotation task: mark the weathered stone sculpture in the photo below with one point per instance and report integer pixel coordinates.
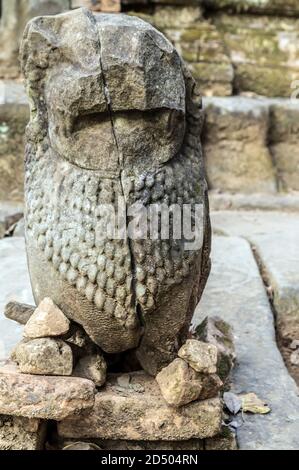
(114, 115)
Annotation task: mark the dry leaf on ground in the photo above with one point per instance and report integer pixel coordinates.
(252, 404)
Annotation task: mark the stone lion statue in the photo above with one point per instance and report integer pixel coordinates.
(114, 116)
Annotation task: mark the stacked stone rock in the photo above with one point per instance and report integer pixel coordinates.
(131, 410)
(51, 346)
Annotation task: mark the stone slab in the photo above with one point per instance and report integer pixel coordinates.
(21, 433)
(130, 413)
(275, 236)
(43, 397)
(14, 285)
(236, 293)
(260, 201)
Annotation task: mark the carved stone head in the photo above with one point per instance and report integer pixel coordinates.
(113, 114)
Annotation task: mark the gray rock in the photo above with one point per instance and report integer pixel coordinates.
(178, 383)
(93, 368)
(140, 105)
(47, 320)
(235, 292)
(211, 385)
(15, 285)
(44, 356)
(202, 357)
(214, 330)
(19, 312)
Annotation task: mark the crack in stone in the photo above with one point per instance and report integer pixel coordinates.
(121, 164)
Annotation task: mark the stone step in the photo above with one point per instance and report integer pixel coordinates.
(41, 396)
(131, 413)
(261, 201)
(251, 144)
(275, 237)
(236, 293)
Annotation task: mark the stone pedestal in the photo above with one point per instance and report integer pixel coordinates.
(137, 411)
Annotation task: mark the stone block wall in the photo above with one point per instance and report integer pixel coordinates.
(232, 46)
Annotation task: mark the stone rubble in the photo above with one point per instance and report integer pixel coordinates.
(202, 357)
(93, 368)
(46, 321)
(19, 312)
(216, 331)
(178, 383)
(44, 356)
(21, 433)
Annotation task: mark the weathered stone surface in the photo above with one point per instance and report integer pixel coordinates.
(235, 144)
(200, 44)
(284, 131)
(93, 368)
(178, 383)
(113, 6)
(211, 385)
(202, 357)
(44, 356)
(18, 312)
(14, 285)
(284, 7)
(262, 52)
(43, 397)
(14, 115)
(225, 441)
(47, 320)
(261, 201)
(146, 121)
(216, 331)
(130, 415)
(21, 433)
(275, 238)
(235, 292)
(14, 15)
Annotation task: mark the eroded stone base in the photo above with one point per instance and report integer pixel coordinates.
(136, 411)
(21, 433)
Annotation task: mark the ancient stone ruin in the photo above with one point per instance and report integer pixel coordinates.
(115, 120)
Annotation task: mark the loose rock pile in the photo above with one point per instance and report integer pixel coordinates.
(181, 407)
(50, 345)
